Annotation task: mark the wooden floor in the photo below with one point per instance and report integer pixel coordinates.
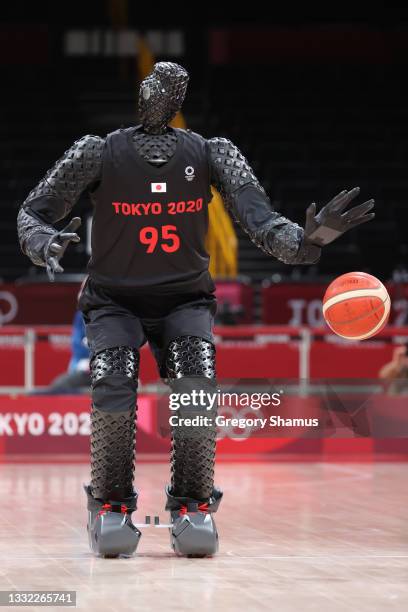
(293, 537)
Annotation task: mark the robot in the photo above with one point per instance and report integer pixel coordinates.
(148, 280)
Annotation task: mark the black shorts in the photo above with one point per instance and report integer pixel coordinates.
(116, 317)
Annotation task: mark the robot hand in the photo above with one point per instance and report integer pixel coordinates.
(331, 222)
(56, 246)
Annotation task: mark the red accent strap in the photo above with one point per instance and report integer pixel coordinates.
(201, 508)
(108, 508)
(105, 509)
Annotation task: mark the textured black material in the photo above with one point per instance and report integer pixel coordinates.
(190, 356)
(78, 168)
(193, 449)
(155, 148)
(161, 95)
(119, 360)
(112, 432)
(34, 236)
(55, 195)
(229, 168)
(290, 247)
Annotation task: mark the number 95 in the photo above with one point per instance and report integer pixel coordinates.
(150, 237)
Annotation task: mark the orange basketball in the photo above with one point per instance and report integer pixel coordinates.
(356, 306)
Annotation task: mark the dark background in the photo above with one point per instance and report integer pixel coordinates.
(317, 102)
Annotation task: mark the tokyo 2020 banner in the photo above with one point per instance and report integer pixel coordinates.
(57, 428)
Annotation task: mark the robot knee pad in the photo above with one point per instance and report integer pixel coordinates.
(190, 356)
(114, 374)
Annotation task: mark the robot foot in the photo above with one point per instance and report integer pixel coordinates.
(110, 529)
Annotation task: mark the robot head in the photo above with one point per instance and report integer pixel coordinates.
(161, 95)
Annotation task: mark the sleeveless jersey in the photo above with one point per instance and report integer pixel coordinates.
(149, 223)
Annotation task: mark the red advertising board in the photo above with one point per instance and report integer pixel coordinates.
(55, 304)
(293, 304)
(59, 427)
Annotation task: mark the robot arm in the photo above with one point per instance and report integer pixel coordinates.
(53, 198)
(270, 231)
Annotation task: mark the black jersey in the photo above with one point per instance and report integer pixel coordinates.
(150, 223)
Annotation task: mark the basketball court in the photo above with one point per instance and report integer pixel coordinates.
(293, 536)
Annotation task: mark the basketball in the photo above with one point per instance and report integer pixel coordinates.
(356, 306)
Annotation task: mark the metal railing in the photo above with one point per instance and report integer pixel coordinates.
(28, 338)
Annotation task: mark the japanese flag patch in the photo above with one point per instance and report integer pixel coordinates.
(159, 187)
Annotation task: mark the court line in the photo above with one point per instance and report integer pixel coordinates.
(233, 555)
